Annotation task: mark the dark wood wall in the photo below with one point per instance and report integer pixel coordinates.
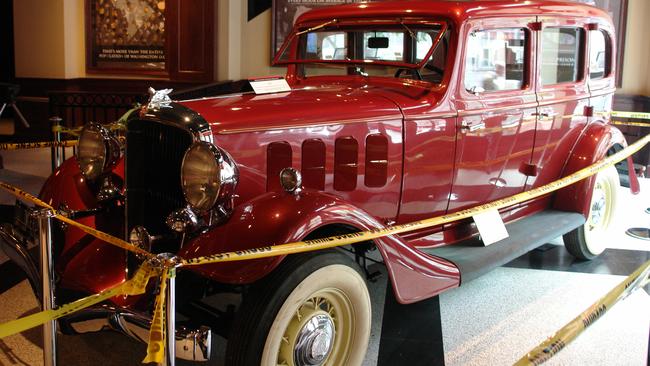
(7, 69)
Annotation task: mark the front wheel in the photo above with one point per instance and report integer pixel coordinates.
(591, 239)
(314, 309)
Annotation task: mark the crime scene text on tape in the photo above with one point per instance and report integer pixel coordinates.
(157, 344)
(554, 344)
(18, 193)
(352, 238)
(37, 145)
(632, 115)
(635, 124)
(135, 286)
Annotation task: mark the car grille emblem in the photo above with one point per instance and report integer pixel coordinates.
(159, 99)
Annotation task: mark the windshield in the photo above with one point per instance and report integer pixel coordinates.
(384, 49)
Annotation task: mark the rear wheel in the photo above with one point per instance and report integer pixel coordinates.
(591, 239)
(312, 310)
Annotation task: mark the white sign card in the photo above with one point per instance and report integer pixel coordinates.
(270, 85)
(490, 226)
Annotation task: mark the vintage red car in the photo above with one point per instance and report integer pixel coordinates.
(397, 111)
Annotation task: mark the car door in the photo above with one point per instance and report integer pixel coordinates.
(563, 95)
(496, 105)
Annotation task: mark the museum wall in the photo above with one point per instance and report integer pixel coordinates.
(49, 39)
(39, 38)
(636, 70)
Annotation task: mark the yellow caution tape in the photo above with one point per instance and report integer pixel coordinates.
(346, 239)
(87, 229)
(37, 145)
(120, 124)
(573, 329)
(66, 130)
(134, 286)
(156, 347)
(76, 131)
(633, 115)
(637, 124)
(157, 336)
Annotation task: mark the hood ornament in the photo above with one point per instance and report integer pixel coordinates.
(159, 98)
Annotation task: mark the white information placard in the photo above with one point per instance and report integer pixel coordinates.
(490, 226)
(270, 85)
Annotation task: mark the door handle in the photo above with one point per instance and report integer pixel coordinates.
(466, 126)
(545, 114)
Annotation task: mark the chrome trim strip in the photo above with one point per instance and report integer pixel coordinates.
(177, 115)
(463, 113)
(315, 124)
(574, 98)
(600, 93)
(438, 115)
(232, 95)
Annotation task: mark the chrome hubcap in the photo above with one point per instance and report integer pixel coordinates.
(314, 341)
(598, 207)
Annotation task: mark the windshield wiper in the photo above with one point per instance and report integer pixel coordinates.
(407, 29)
(316, 27)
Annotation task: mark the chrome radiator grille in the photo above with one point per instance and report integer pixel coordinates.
(154, 154)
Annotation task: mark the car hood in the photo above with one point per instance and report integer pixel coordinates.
(307, 104)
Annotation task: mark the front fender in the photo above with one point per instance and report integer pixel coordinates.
(277, 218)
(270, 219)
(592, 146)
(83, 262)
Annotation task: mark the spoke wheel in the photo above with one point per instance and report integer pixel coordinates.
(319, 326)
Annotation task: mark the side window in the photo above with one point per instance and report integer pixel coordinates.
(600, 55)
(561, 61)
(495, 60)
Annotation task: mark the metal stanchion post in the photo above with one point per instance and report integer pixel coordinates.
(171, 318)
(57, 152)
(170, 314)
(45, 218)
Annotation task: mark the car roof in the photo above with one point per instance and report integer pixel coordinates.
(458, 11)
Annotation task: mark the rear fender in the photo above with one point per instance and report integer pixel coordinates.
(277, 218)
(592, 146)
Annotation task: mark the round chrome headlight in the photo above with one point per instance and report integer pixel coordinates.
(97, 152)
(208, 176)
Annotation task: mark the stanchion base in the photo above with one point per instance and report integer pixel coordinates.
(642, 233)
(411, 334)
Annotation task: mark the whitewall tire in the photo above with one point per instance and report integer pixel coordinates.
(591, 239)
(312, 310)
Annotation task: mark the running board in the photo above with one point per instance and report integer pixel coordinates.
(473, 259)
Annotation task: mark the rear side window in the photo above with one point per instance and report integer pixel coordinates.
(495, 60)
(600, 55)
(561, 61)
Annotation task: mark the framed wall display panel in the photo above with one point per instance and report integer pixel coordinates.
(160, 38)
(285, 13)
(126, 35)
